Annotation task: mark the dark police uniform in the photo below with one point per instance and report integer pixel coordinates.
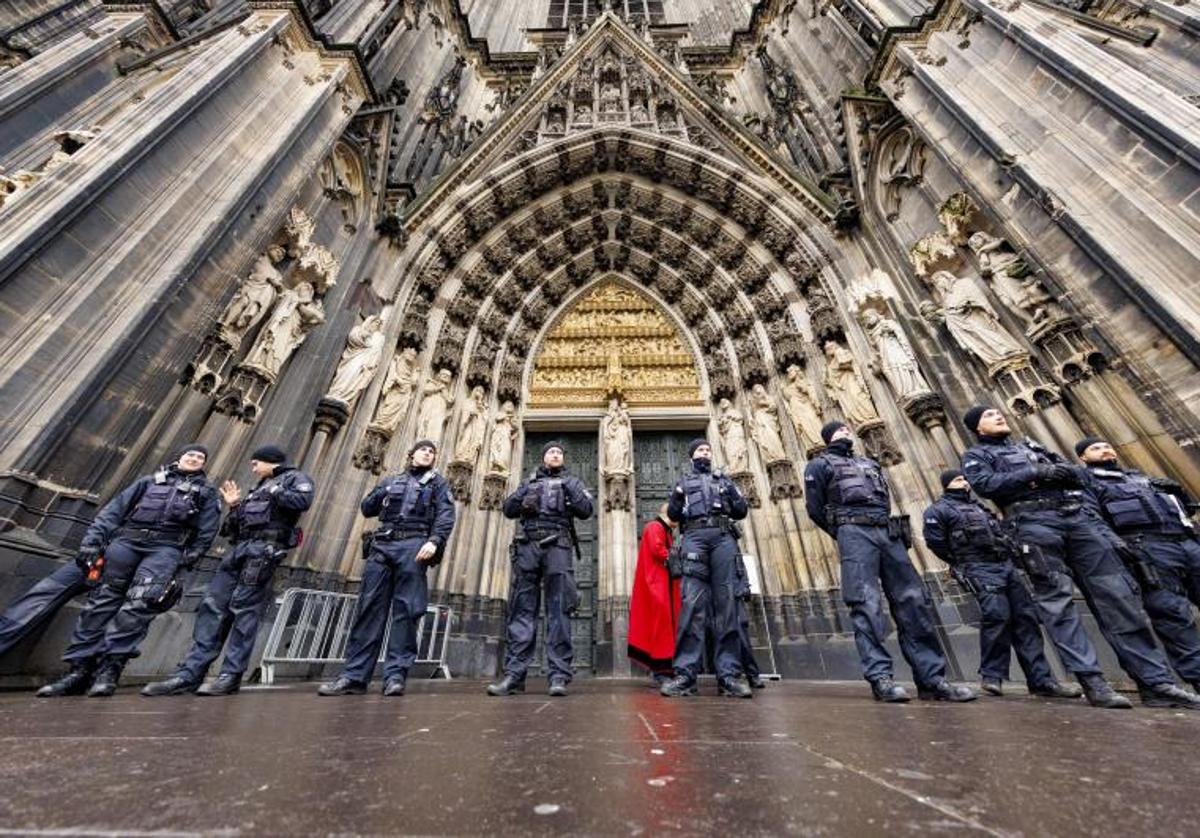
(965, 535)
(153, 527)
(847, 496)
(413, 508)
(262, 527)
(38, 605)
(542, 557)
(1151, 516)
(1041, 497)
(706, 505)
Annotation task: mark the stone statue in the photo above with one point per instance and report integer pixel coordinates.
(296, 314)
(470, 434)
(764, 428)
(253, 299)
(360, 358)
(436, 401)
(616, 437)
(638, 113)
(846, 386)
(1010, 278)
(972, 321)
(801, 404)
(732, 426)
(894, 355)
(504, 434)
(397, 391)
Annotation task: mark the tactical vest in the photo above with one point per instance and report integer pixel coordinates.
(407, 501)
(974, 533)
(169, 503)
(257, 510)
(551, 497)
(701, 495)
(1132, 504)
(857, 482)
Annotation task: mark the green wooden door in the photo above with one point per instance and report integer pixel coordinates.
(659, 457)
(581, 460)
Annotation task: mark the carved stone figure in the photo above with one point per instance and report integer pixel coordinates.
(732, 426)
(296, 314)
(1010, 278)
(470, 435)
(610, 99)
(638, 113)
(894, 355)
(397, 391)
(764, 428)
(846, 386)
(360, 358)
(971, 320)
(253, 299)
(616, 437)
(504, 434)
(801, 402)
(436, 401)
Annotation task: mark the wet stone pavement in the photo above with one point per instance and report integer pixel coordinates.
(613, 758)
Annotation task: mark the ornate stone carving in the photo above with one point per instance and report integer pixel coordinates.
(296, 313)
(397, 393)
(1011, 279)
(749, 488)
(732, 426)
(504, 435)
(782, 478)
(472, 428)
(253, 298)
(935, 252)
(958, 215)
(360, 358)
(971, 320)
(437, 398)
(894, 357)
(901, 165)
(764, 427)
(846, 387)
(801, 404)
(369, 454)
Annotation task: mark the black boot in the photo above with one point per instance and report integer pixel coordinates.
(342, 686)
(508, 685)
(887, 690)
(1100, 693)
(1053, 689)
(175, 685)
(226, 684)
(943, 690)
(394, 686)
(992, 686)
(557, 688)
(75, 682)
(107, 678)
(1168, 695)
(756, 681)
(679, 686)
(734, 688)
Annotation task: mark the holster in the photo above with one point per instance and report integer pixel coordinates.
(1143, 570)
(742, 590)
(695, 567)
(899, 526)
(675, 559)
(964, 581)
(368, 544)
(1035, 564)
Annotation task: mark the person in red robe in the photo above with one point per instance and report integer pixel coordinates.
(654, 603)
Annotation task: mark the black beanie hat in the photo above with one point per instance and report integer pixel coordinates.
(948, 476)
(422, 443)
(194, 446)
(554, 443)
(973, 415)
(831, 428)
(696, 443)
(269, 454)
(1087, 441)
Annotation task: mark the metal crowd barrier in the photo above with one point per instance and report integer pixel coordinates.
(313, 627)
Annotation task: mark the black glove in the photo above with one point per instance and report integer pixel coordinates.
(529, 505)
(189, 559)
(86, 557)
(1067, 474)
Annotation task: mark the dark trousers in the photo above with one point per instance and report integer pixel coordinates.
(709, 582)
(392, 579)
(113, 623)
(1170, 605)
(534, 569)
(749, 663)
(1008, 623)
(37, 606)
(232, 609)
(869, 557)
(1084, 546)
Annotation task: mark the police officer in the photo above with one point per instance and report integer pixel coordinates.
(38, 605)
(1041, 497)
(967, 536)
(542, 553)
(416, 517)
(262, 528)
(706, 505)
(155, 526)
(848, 497)
(1151, 515)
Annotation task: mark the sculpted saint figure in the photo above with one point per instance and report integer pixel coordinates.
(397, 391)
(765, 427)
(296, 314)
(253, 299)
(894, 355)
(436, 400)
(971, 320)
(1010, 278)
(801, 407)
(846, 386)
(732, 426)
(616, 434)
(504, 433)
(360, 358)
(470, 435)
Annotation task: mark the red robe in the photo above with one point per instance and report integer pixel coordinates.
(654, 603)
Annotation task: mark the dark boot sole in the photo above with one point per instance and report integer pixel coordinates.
(190, 688)
(213, 694)
(1104, 705)
(685, 694)
(947, 699)
(1166, 703)
(503, 693)
(352, 691)
(898, 700)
